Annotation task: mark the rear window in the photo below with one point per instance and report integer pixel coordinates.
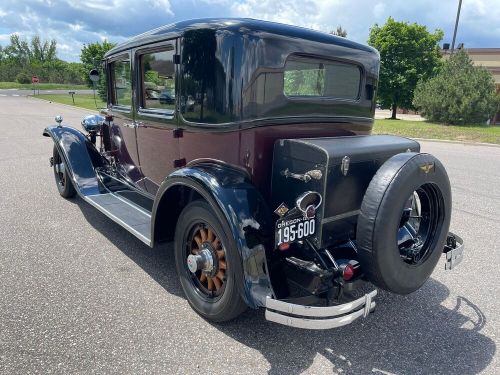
(307, 77)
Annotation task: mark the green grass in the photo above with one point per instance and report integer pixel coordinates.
(423, 129)
(41, 86)
(81, 100)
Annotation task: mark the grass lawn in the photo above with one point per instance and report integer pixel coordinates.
(81, 100)
(41, 86)
(423, 129)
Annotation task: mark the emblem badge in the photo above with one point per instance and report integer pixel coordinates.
(281, 210)
(426, 168)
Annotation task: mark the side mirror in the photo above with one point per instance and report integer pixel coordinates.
(94, 75)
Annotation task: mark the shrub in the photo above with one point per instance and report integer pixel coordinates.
(460, 93)
(23, 77)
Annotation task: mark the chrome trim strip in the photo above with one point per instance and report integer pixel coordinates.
(340, 217)
(340, 315)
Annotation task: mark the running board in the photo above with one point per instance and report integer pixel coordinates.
(131, 217)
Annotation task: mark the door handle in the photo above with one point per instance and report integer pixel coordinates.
(129, 125)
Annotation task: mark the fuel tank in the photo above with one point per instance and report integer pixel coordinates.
(339, 169)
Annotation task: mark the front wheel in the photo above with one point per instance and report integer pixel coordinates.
(208, 264)
(62, 176)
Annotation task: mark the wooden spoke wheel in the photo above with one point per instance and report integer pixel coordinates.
(210, 276)
(208, 263)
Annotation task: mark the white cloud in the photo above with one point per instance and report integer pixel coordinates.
(73, 23)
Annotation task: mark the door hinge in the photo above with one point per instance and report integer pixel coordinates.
(179, 163)
(177, 59)
(178, 133)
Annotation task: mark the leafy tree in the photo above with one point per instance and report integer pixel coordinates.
(43, 51)
(339, 32)
(408, 53)
(460, 93)
(91, 57)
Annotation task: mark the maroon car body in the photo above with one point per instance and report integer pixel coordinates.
(248, 143)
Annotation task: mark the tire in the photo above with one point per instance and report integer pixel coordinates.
(222, 302)
(399, 266)
(62, 176)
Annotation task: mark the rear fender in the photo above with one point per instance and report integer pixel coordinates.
(80, 155)
(238, 204)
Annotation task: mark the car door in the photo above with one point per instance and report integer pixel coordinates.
(156, 115)
(122, 127)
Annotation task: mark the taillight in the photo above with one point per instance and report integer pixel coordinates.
(348, 272)
(284, 246)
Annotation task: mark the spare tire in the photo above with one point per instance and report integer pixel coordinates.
(404, 222)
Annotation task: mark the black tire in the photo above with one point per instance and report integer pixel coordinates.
(225, 303)
(62, 176)
(381, 219)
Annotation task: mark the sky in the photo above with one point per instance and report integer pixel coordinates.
(72, 23)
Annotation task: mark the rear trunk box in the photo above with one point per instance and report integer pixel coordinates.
(342, 192)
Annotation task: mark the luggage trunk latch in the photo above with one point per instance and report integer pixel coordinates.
(344, 166)
(306, 177)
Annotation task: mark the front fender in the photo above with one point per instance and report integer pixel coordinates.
(80, 156)
(237, 203)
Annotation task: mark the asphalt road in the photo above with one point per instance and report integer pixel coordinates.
(78, 294)
(15, 92)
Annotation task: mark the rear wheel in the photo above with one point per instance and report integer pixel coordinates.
(62, 176)
(208, 264)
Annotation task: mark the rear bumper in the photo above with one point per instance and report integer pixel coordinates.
(453, 251)
(311, 317)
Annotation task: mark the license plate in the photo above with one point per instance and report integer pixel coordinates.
(293, 229)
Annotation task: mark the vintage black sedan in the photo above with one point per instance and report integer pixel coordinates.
(248, 143)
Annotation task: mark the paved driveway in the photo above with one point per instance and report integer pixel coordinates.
(80, 294)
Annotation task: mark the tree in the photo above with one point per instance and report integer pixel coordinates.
(408, 53)
(339, 32)
(91, 57)
(43, 51)
(460, 93)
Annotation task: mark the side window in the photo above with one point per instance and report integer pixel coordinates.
(122, 82)
(158, 80)
(206, 79)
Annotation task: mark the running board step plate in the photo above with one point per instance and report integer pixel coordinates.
(134, 219)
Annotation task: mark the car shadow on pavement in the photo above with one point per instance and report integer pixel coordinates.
(158, 263)
(413, 334)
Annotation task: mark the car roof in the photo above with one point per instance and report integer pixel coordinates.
(238, 25)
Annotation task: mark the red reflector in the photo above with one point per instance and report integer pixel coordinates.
(284, 246)
(348, 272)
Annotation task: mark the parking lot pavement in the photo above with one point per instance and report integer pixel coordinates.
(78, 294)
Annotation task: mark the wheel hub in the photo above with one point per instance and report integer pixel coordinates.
(202, 261)
(206, 260)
